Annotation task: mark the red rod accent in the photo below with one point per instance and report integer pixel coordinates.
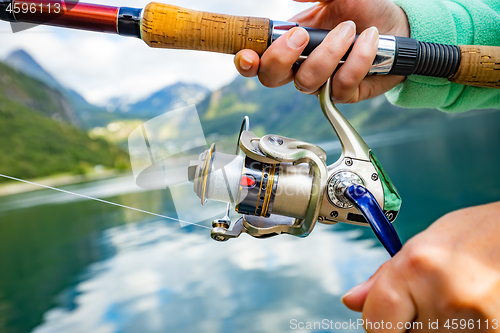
(68, 14)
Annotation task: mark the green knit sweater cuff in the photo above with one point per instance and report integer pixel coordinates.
(436, 21)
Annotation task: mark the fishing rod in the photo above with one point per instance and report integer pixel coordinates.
(167, 26)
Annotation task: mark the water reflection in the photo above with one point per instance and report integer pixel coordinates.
(162, 279)
(82, 266)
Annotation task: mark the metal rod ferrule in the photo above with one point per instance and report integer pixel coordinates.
(382, 64)
(129, 22)
(279, 28)
(386, 54)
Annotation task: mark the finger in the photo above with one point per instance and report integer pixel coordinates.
(317, 16)
(277, 62)
(389, 301)
(345, 83)
(304, 15)
(355, 298)
(321, 63)
(247, 63)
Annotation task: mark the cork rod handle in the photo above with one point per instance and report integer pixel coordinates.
(479, 66)
(174, 27)
(168, 26)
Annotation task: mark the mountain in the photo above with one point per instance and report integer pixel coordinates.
(281, 110)
(21, 61)
(86, 114)
(39, 137)
(24, 90)
(167, 99)
(287, 112)
(89, 116)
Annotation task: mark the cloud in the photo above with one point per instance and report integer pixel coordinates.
(101, 66)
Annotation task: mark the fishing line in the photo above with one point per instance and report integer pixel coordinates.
(104, 201)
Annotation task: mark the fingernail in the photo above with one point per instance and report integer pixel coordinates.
(347, 29)
(352, 290)
(299, 87)
(245, 63)
(297, 38)
(371, 34)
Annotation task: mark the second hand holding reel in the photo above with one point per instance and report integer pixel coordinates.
(283, 186)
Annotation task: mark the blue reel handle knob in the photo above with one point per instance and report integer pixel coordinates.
(365, 202)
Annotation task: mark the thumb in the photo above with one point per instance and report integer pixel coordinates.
(355, 298)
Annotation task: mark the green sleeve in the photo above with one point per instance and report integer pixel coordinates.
(457, 22)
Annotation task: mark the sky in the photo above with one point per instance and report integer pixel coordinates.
(102, 66)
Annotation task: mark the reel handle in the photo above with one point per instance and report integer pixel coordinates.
(365, 202)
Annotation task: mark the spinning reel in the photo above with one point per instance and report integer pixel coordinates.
(283, 186)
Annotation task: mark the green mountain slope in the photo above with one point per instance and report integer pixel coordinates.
(86, 115)
(22, 62)
(37, 136)
(33, 94)
(287, 112)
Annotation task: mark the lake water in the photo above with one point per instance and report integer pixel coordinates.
(74, 265)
